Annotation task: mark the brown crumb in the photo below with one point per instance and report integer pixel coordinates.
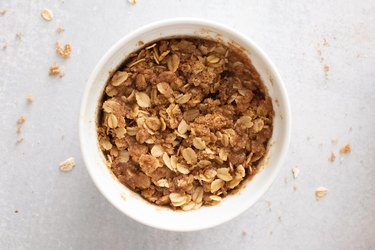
(21, 120)
(325, 42)
(141, 43)
(16, 211)
(326, 70)
(55, 70)
(319, 51)
(19, 140)
(18, 130)
(346, 149)
(19, 35)
(295, 172)
(320, 192)
(294, 188)
(350, 129)
(132, 2)
(334, 141)
(29, 99)
(332, 158)
(244, 232)
(60, 29)
(3, 12)
(64, 51)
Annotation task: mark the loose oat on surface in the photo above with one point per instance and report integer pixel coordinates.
(55, 70)
(29, 99)
(5, 45)
(332, 157)
(184, 122)
(320, 192)
(295, 172)
(132, 2)
(19, 35)
(60, 29)
(46, 14)
(64, 51)
(3, 12)
(346, 149)
(21, 120)
(67, 165)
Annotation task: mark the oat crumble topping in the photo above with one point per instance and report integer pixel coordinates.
(184, 121)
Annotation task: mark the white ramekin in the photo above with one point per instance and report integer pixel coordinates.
(132, 204)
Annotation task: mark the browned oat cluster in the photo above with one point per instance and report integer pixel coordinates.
(64, 51)
(184, 121)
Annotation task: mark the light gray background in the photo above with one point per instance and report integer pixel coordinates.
(65, 210)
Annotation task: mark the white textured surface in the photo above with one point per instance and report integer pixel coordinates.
(65, 211)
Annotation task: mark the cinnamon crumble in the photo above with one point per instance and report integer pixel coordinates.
(184, 121)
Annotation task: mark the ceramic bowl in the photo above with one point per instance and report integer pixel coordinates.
(132, 204)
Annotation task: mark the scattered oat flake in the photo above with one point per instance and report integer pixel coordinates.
(19, 140)
(326, 70)
(346, 149)
(295, 172)
(67, 165)
(320, 192)
(64, 51)
(3, 12)
(60, 29)
(5, 45)
(132, 2)
(54, 70)
(21, 120)
(47, 14)
(332, 158)
(29, 99)
(19, 35)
